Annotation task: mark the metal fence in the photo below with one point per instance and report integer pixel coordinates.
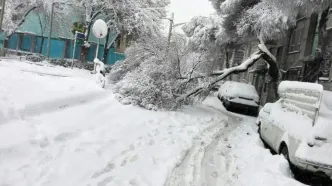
(60, 48)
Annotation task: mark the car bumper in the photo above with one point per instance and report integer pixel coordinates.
(314, 167)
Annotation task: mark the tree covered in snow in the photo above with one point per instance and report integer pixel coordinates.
(243, 20)
(126, 16)
(16, 12)
(153, 75)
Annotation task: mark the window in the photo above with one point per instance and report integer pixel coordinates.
(295, 41)
(118, 44)
(279, 54)
(329, 21)
(303, 12)
(129, 39)
(238, 57)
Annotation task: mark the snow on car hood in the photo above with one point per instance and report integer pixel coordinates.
(236, 89)
(320, 136)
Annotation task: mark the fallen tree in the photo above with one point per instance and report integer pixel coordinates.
(262, 53)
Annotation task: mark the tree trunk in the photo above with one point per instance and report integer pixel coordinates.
(41, 45)
(106, 49)
(89, 25)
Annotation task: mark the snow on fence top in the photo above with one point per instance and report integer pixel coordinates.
(299, 86)
(301, 97)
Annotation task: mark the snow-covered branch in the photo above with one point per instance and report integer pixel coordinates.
(225, 73)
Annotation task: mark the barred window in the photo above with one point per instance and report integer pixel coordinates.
(295, 41)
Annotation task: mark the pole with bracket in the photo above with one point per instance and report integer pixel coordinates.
(74, 50)
(170, 31)
(50, 33)
(97, 51)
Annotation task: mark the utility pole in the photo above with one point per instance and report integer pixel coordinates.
(50, 33)
(3, 5)
(171, 20)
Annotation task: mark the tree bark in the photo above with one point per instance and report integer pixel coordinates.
(106, 49)
(89, 24)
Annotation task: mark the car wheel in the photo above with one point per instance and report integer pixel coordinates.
(284, 151)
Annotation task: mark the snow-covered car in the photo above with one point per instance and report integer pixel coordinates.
(299, 126)
(241, 97)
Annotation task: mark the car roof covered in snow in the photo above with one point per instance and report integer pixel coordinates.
(237, 89)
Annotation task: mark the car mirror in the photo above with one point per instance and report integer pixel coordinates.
(267, 107)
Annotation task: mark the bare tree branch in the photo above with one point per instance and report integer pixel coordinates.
(22, 20)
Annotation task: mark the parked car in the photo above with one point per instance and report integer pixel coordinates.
(240, 97)
(299, 126)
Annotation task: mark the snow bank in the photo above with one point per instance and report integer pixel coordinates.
(253, 165)
(28, 89)
(236, 89)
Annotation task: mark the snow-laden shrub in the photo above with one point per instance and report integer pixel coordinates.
(150, 86)
(35, 58)
(150, 75)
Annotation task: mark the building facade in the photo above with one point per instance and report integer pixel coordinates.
(295, 53)
(32, 37)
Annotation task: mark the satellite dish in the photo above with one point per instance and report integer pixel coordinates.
(100, 29)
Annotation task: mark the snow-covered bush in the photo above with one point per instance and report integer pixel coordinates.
(150, 76)
(35, 58)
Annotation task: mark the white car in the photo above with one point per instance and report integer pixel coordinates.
(237, 96)
(299, 126)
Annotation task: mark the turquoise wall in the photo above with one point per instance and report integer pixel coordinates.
(31, 33)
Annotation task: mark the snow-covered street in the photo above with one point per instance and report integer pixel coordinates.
(98, 141)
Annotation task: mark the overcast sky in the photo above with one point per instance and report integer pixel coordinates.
(184, 10)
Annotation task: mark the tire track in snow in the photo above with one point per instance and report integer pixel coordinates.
(198, 167)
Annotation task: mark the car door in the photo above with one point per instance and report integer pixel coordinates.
(266, 124)
(278, 132)
(267, 132)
